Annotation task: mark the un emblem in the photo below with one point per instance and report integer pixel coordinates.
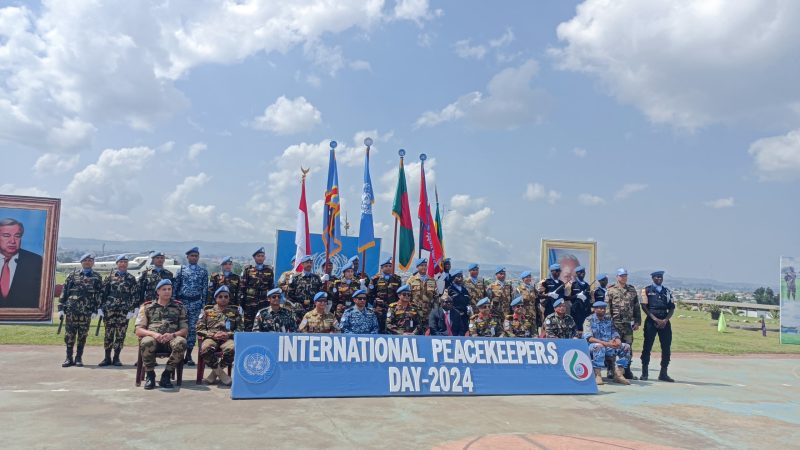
(256, 365)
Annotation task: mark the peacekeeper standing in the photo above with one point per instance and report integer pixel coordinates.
(384, 285)
(444, 278)
(341, 292)
(257, 280)
(225, 278)
(359, 319)
(530, 302)
(423, 288)
(317, 320)
(500, 293)
(327, 276)
(275, 318)
(304, 287)
(380, 309)
(286, 277)
(484, 324)
(476, 286)
(459, 294)
(599, 294)
(580, 296)
(191, 283)
(217, 326)
(78, 303)
(605, 344)
(623, 303)
(162, 326)
(550, 290)
(119, 302)
(658, 306)
(559, 325)
(359, 275)
(151, 276)
(402, 316)
(518, 324)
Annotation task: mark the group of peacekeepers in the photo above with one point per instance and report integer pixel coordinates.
(175, 311)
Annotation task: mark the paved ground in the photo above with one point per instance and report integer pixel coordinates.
(719, 402)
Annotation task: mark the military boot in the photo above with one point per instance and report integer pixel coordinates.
(645, 375)
(664, 377)
(166, 379)
(619, 376)
(107, 360)
(223, 376)
(628, 374)
(116, 361)
(79, 357)
(69, 362)
(598, 376)
(151, 380)
(188, 360)
(211, 378)
(610, 369)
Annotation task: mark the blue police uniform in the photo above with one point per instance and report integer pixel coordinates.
(357, 321)
(190, 288)
(603, 329)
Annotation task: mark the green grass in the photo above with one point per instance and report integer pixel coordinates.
(791, 339)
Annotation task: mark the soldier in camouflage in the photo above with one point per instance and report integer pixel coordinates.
(303, 288)
(191, 286)
(423, 288)
(384, 285)
(530, 302)
(623, 302)
(317, 320)
(225, 278)
(286, 277)
(403, 317)
(119, 303)
(605, 345)
(162, 326)
(216, 327)
(257, 280)
(518, 324)
(484, 324)
(475, 284)
(275, 318)
(341, 291)
(559, 325)
(78, 303)
(500, 294)
(151, 276)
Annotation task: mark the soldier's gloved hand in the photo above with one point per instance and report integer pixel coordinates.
(325, 278)
(362, 284)
(553, 295)
(581, 296)
(99, 312)
(241, 311)
(129, 316)
(61, 314)
(469, 309)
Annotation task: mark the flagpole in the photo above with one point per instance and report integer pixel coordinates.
(402, 153)
(329, 230)
(422, 159)
(368, 143)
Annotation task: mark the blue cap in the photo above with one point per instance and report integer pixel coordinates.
(154, 254)
(193, 250)
(483, 301)
(516, 301)
(602, 276)
(221, 289)
(386, 261)
(86, 256)
(555, 266)
(558, 302)
(164, 282)
(599, 304)
(446, 260)
(404, 288)
(122, 257)
(657, 273)
(320, 296)
(622, 271)
(359, 292)
(273, 292)
(525, 274)
(353, 259)
(226, 260)
(457, 273)
(499, 269)
(306, 258)
(473, 266)
(260, 250)
(580, 269)
(419, 261)
(348, 266)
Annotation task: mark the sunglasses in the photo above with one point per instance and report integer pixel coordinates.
(223, 296)
(274, 296)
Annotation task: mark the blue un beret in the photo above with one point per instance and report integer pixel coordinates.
(359, 292)
(193, 250)
(404, 288)
(221, 289)
(273, 292)
(320, 296)
(154, 254)
(260, 250)
(525, 274)
(164, 282)
(383, 263)
(622, 271)
(558, 302)
(555, 266)
(348, 266)
(516, 301)
(446, 260)
(226, 260)
(419, 261)
(306, 258)
(473, 266)
(86, 256)
(122, 257)
(602, 276)
(483, 301)
(599, 304)
(353, 259)
(499, 269)
(580, 269)
(457, 273)
(657, 273)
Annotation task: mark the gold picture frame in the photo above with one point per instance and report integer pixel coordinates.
(569, 254)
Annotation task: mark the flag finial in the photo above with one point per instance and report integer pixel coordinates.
(333, 144)
(368, 142)
(305, 171)
(423, 157)
(402, 152)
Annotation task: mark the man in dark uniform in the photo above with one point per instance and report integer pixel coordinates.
(78, 304)
(303, 287)
(357, 273)
(658, 306)
(384, 285)
(460, 296)
(445, 275)
(118, 303)
(581, 297)
(225, 278)
(257, 280)
(151, 276)
(549, 290)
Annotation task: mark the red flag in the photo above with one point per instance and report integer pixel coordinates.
(302, 237)
(429, 240)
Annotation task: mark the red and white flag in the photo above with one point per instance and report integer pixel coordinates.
(302, 236)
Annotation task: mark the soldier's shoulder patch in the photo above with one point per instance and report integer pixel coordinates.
(208, 307)
(547, 321)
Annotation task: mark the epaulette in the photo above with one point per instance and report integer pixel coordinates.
(209, 307)
(178, 302)
(147, 302)
(392, 304)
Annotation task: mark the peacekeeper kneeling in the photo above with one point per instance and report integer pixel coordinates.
(216, 326)
(605, 344)
(162, 325)
(559, 325)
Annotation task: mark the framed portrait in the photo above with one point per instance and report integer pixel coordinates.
(28, 243)
(570, 254)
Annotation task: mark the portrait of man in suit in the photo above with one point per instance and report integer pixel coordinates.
(20, 269)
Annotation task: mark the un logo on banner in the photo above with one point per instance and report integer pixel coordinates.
(256, 365)
(577, 365)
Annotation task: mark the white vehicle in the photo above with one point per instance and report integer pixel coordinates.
(105, 264)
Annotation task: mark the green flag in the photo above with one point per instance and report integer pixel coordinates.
(401, 212)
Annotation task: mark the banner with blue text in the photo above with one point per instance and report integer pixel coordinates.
(278, 365)
(285, 250)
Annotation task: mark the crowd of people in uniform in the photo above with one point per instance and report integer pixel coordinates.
(174, 312)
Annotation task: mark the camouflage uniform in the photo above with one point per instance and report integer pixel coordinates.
(488, 326)
(255, 285)
(623, 306)
(603, 329)
(501, 295)
(148, 281)
(219, 279)
(530, 304)
(314, 322)
(559, 327)
(213, 321)
(379, 308)
(519, 325)
(385, 288)
(476, 288)
(119, 297)
(423, 293)
(162, 319)
(280, 321)
(302, 289)
(341, 292)
(404, 319)
(79, 300)
(283, 280)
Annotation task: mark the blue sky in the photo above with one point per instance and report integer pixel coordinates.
(668, 131)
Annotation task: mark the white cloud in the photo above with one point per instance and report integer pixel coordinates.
(628, 190)
(414, 10)
(509, 102)
(467, 51)
(360, 65)
(466, 222)
(413, 175)
(536, 191)
(166, 147)
(503, 40)
(52, 163)
(680, 61)
(313, 80)
(195, 150)
(591, 200)
(777, 157)
(10, 189)
(425, 39)
(721, 203)
(288, 116)
(579, 152)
